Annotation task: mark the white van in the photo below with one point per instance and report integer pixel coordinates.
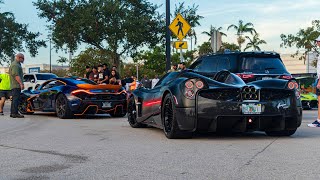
(35, 79)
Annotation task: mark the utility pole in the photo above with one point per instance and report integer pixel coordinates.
(50, 53)
(168, 48)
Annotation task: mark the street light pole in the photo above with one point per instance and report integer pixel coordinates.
(50, 54)
(168, 48)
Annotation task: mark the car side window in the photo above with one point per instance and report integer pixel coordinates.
(223, 64)
(27, 78)
(166, 78)
(209, 64)
(196, 66)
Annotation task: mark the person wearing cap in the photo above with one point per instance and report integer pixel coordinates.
(316, 123)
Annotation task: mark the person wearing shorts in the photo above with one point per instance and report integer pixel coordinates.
(316, 123)
(4, 90)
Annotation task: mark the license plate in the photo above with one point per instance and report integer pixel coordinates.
(251, 108)
(265, 78)
(106, 104)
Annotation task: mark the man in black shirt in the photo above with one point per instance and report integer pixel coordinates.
(106, 73)
(88, 72)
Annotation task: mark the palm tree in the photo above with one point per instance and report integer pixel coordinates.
(192, 34)
(62, 60)
(212, 29)
(242, 28)
(254, 42)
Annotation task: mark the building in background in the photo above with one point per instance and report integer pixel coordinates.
(296, 66)
(34, 68)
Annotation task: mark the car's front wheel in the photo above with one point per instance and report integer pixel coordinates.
(62, 107)
(132, 114)
(23, 107)
(169, 120)
(281, 133)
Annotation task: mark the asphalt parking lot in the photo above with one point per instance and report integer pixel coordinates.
(44, 147)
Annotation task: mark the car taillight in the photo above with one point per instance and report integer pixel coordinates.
(293, 85)
(80, 93)
(192, 86)
(189, 84)
(246, 76)
(199, 84)
(288, 77)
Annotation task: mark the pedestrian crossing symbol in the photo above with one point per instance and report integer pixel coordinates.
(180, 27)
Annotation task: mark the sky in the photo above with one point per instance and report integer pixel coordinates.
(269, 17)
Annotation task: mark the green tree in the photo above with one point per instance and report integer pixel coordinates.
(90, 57)
(16, 37)
(242, 28)
(205, 48)
(254, 42)
(188, 57)
(229, 46)
(303, 40)
(153, 61)
(117, 27)
(212, 30)
(62, 60)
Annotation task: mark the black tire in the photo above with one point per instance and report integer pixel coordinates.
(169, 120)
(22, 107)
(62, 108)
(132, 114)
(281, 133)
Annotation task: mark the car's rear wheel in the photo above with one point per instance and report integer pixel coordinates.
(62, 107)
(281, 133)
(132, 114)
(23, 107)
(169, 120)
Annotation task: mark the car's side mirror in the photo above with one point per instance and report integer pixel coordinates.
(32, 81)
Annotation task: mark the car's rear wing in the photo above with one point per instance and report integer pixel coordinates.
(100, 86)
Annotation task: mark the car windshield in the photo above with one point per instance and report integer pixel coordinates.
(45, 76)
(262, 65)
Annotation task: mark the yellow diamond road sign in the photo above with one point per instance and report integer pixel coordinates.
(180, 27)
(181, 44)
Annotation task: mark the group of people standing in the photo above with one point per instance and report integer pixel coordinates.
(180, 67)
(102, 75)
(149, 83)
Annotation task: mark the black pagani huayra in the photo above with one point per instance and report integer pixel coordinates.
(184, 102)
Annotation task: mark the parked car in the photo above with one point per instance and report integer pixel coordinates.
(249, 66)
(70, 97)
(185, 102)
(32, 80)
(307, 88)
